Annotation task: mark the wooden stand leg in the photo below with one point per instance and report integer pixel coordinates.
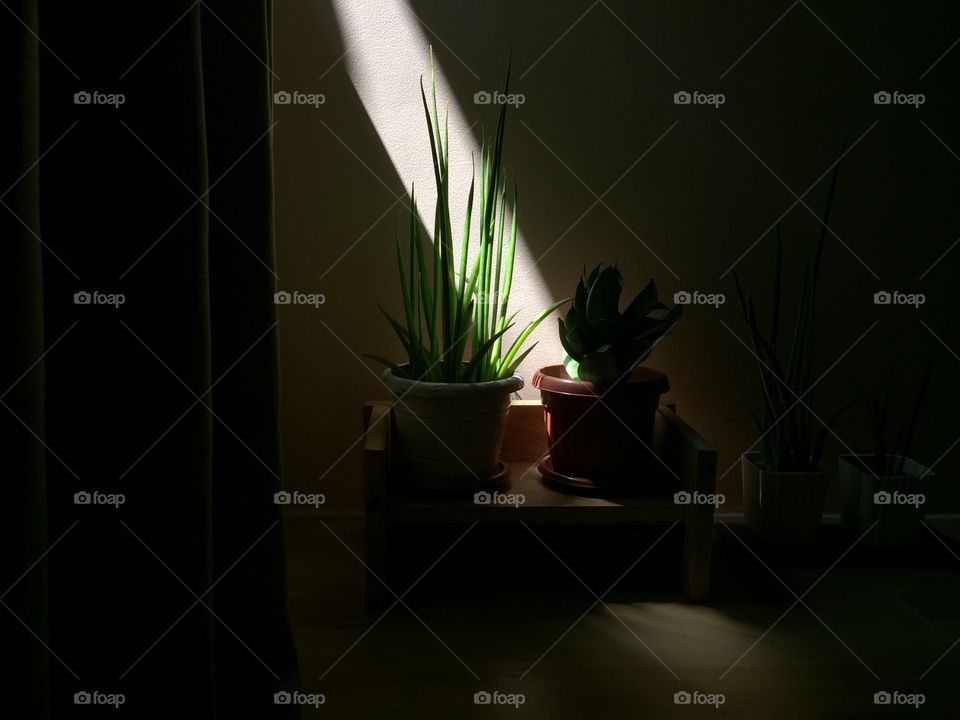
(375, 537)
(376, 465)
(697, 539)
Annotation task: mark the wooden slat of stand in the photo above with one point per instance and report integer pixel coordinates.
(695, 462)
(376, 471)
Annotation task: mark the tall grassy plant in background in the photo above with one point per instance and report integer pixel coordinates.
(887, 458)
(789, 440)
(446, 308)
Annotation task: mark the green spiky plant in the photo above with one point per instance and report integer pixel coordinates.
(789, 440)
(601, 344)
(889, 459)
(447, 309)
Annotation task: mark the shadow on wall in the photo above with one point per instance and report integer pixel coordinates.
(611, 168)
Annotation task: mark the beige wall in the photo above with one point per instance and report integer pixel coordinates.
(596, 100)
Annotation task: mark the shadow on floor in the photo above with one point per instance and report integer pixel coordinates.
(516, 612)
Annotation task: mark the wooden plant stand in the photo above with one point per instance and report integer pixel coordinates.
(392, 504)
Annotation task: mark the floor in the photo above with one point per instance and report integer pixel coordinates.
(525, 613)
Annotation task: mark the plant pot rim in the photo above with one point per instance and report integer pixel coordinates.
(849, 458)
(750, 457)
(555, 379)
(424, 388)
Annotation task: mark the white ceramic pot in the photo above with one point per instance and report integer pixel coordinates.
(892, 505)
(782, 506)
(449, 434)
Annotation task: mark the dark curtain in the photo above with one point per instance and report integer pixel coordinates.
(175, 598)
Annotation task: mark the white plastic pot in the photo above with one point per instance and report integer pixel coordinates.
(782, 506)
(449, 434)
(892, 505)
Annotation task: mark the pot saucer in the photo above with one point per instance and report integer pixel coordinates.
(608, 487)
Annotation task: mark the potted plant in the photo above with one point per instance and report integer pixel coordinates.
(884, 492)
(599, 405)
(453, 391)
(784, 485)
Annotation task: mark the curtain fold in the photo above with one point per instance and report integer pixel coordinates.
(152, 454)
(242, 267)
(23, 493)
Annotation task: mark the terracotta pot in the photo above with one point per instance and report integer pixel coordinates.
(604, 442)
(892, 505)
(782, 506)
(449, 434)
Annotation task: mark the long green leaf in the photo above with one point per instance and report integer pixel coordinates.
(494, 311)
(511, 254)
(394, 368)
(476, 362)
(522, 338)
(407, 290)
(777, 276)
(512, 368)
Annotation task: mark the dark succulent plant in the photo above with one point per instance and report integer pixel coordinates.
(603, 345)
